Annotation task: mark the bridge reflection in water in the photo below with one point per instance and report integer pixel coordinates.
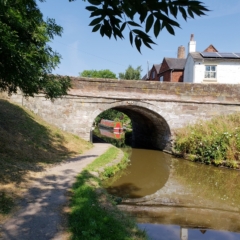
(174, 232)
(193, 196)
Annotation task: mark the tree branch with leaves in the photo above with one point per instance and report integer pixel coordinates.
(111, 17)
(26, 59)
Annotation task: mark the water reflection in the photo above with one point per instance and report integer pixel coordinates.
(192, 195)
(164, 193)
(148, 172)
(218, 185)
(115, 138)
(173, 232)
(111, 134)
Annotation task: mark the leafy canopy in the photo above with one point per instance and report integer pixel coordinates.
(26, 60)
(111, 17)
(110, 114)
(98, 74)
(131, 73)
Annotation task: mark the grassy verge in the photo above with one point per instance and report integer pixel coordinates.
(212, 142)
(28, 145)
(94, 214)
(103, 160)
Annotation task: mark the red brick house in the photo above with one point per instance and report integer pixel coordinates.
(154, 72)
(172, 70)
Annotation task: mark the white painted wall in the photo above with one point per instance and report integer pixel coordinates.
(227, 72)
(199, 69)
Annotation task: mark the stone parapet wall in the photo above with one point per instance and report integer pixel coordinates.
(152, 90)
(156, 109)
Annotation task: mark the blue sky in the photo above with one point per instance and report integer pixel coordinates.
(81, 49)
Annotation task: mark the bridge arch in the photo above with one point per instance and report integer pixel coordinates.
(150, 128)
(151, 105)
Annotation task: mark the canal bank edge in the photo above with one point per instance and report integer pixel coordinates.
(91, 201)
(197, 159)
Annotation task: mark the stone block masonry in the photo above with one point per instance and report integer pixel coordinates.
(155, 108)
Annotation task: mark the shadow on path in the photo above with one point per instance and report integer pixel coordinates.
(40, 215)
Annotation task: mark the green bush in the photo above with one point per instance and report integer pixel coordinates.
(212, 141)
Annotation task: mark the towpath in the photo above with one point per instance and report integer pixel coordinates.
(41, 215)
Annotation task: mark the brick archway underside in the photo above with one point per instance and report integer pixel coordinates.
(150, 130)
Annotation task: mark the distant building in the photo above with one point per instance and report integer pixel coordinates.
(145, 77)
(211, 66)
(154, 72)
(170, 70)
(208, 66)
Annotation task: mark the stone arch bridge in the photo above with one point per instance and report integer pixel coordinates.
(155, 108)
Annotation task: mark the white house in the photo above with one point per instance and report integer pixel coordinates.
(211, 66)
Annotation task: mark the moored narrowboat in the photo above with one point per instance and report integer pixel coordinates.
(112, 125)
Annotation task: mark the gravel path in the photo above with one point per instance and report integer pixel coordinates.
(40, 216)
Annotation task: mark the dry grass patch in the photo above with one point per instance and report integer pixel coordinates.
(29, 145)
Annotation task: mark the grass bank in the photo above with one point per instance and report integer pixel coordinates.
(212, 142)
(27, 146)
(94, 214)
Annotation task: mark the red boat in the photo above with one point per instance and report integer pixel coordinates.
(112, 125)
(111, 134)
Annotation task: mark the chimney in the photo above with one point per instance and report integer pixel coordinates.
(181, 52)
(192, 45)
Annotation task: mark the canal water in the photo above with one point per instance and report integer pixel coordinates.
(177, 199)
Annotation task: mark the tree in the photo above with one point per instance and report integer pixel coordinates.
(98, 74)
(131, 73)
(26, 61)
(111, 17)
(110, 114)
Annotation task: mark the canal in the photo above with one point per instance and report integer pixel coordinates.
(174, 199)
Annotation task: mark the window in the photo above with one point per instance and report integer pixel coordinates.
(210, 71)
(161, 79)
(153, 75)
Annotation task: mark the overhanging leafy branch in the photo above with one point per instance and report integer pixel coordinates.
(110, 17)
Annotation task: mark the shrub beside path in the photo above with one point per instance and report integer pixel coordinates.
(40, 215)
